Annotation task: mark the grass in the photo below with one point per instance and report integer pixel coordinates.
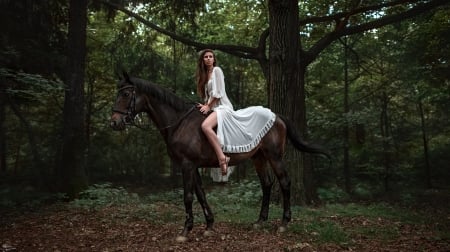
(338, 223)
(239, 204)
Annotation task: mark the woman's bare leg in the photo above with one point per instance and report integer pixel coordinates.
(208, 128)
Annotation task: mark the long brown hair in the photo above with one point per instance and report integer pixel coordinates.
(201, 74)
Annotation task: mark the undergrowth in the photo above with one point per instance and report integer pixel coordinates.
(19, 198)
(101, 195)
(239, 204)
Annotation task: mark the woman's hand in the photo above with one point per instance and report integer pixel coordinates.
(204, 108)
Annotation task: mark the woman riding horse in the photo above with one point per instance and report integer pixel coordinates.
(237, 131)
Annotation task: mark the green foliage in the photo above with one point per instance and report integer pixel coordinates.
(375, 211)
(364, 191)
(390, 71)
(25, 198)
(332, 194)
(233, 22)
(103, 195)
(237, 202)
(325, 224)
(31, 86)
(328, 232)
(407, 62)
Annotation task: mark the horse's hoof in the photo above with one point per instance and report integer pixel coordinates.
(256, 226)
(208, 233)
(282, 229)
(181, 238)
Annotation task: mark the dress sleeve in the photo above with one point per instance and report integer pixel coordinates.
(218, 83)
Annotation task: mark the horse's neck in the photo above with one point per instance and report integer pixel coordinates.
(161, 116)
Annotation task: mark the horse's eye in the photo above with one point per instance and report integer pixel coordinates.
(126, 94)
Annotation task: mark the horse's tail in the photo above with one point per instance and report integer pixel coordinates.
(299, 143)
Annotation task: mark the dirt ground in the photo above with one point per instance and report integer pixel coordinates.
(59, 228)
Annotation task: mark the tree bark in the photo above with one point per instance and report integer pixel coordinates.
(285, 88)
(71, 169)
(309, 184)
(427, 178)
(3, 167)
(385, 134)
(347, 176)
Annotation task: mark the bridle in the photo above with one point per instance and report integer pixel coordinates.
(128, 118)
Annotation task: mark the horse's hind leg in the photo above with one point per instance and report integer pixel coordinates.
(285, 185)
(266, 185)
(201, 197)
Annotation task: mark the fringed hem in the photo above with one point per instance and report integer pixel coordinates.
(250, 146)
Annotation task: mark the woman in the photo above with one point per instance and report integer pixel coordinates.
(237, 131)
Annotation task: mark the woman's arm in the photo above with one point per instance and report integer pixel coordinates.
(217, 90)
(205, 108)
(218, 83)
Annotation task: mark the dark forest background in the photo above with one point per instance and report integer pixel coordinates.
(368, 80)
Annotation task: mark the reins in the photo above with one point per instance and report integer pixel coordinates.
(131, 109)
(179, 119)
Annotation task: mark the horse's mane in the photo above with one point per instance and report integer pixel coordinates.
(162, 94)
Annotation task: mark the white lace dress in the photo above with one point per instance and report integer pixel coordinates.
(241, 130)
(238, 131)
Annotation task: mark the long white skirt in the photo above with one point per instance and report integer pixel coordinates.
(241, 130)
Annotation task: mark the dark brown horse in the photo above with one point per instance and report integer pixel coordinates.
(179, 123)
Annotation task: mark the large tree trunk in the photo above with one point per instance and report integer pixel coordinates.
(71, 169)
(285, 89)
(3, 167)
(309, 185)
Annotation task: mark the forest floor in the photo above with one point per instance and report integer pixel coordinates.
(135, 227)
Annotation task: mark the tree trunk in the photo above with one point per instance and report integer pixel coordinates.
(285, 89)
(385, 134)
(309, 184)
(173, 168)
(346, 126)
(427, 178)
(3, 167)
(71, 169)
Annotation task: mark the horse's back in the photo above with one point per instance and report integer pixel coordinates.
(275, 140)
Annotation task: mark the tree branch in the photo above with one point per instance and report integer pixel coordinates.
(239, 51)
(415, 11)
(386, 20)
(353, 12)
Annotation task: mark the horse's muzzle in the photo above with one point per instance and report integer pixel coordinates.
(117, 122)
(117, 125)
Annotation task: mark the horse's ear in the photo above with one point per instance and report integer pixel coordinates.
(126, 77)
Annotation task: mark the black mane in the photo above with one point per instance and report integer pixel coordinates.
(161, 94)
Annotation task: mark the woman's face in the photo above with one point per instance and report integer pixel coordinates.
(208, 59)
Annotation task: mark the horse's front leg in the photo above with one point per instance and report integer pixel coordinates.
(201, 197)
(188, 186)
(266, 187)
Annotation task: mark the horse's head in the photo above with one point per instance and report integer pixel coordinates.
(126, 105)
